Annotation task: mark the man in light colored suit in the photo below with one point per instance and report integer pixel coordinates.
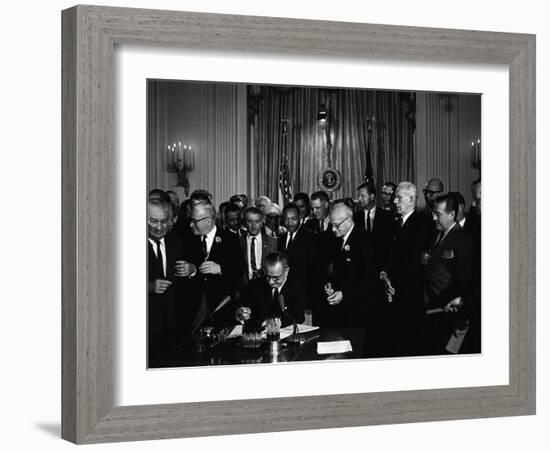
(255, 244)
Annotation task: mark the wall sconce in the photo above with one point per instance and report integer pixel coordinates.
(475, 153)
(181, 161)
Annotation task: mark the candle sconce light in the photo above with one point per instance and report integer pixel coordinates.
(181, 161)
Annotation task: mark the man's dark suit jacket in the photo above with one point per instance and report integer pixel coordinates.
(353, 272)
(404, 265)
(258, 297)
(269, 245)
(472, 342)
(301, 252)
(405, 315)
(225, 251)
(449, 271)
(162, 316)
(381, 233)
(313, 225)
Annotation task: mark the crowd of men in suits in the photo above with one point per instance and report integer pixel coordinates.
(410, 278)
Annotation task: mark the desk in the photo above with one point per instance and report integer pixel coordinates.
(230, 351)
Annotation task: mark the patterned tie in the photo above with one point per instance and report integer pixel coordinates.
(253, 256)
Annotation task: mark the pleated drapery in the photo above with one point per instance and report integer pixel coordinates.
(392, 137)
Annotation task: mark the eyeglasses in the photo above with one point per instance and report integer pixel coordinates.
(337, 225)
(276, 277)
(197, 221)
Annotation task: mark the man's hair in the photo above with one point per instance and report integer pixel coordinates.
(369, 187)
(232, 207)
(459, 198)
(390, 184)
(222, 206)
(163, 196)
(253, 210)
(408, 188)
(451, 203)
(262, 197)
(276, 257)
(290, 206)
(301, 196)
(201, 195)
(235, 198)
(345, 209)
(320, 195)
(348, 201)
(437, 181)
(209, 207)
(161, 203)
(156, 192)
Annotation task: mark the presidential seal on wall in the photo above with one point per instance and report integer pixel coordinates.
(329, 179)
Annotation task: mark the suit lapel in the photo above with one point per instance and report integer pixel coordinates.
(445, 242)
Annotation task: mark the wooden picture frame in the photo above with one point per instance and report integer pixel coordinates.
(89, 37)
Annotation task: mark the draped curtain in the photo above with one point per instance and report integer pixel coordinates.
(391, 143)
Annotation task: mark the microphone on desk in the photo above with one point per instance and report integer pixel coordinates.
(294, 337)
(224, 302)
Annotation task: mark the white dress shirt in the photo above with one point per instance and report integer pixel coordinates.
(406, 216)
(347, 236)
(162, 246)
(371, 218)
(210, 239)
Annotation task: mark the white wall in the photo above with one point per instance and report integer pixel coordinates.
(30, 325)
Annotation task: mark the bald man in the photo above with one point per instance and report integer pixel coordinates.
(164, 250)
(351, 283)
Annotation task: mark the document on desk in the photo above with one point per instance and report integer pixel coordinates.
(324, 348)
(287, 331)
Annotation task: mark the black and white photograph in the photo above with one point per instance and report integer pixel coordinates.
(296, 223)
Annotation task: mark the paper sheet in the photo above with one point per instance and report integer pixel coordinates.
(324, 348)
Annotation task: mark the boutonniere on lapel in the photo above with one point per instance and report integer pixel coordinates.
(218, 239)
(346, 248)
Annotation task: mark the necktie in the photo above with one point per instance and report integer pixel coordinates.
(368, 220)
(160, 263)
(400, 222)
(278, 300)
(204, 248)
(439, 239)
(290, 239)
(253, 255)
(321, 225)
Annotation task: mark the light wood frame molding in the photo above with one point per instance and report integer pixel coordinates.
(89, 37)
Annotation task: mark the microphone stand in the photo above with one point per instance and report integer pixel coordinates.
(294, 338)
(224, 301)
